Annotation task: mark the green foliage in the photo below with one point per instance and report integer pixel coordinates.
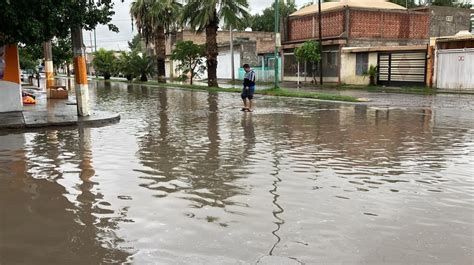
(310, 51)
(136, 44)
(35, 21)
(132, 65)
(371, 73)
(124, 65)
(104, 63)
(62, 51)
(142, 66)
(266, 21)
(202, 13)
(206, 15)
(190, 56)
(154, 19)
(30, 56)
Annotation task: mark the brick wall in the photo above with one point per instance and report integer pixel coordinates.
(368, 24)
(363, 24)
(301, 28)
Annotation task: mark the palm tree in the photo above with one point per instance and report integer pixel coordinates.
(104, 63)
(154, 19)
(206, 15)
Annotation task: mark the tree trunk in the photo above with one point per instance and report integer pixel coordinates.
(211, 51)
(143, 78)
(160, 48)
(192, 76)
(68, 70)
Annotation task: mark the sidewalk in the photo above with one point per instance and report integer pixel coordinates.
(52, 113)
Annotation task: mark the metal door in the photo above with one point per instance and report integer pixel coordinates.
(455, 69)
(401, 68)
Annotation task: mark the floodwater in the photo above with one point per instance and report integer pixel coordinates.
(186, 178)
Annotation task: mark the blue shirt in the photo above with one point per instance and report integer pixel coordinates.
(249, 79)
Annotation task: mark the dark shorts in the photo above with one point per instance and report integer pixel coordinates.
(248, 93)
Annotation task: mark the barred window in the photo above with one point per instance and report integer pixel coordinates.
(362, 63)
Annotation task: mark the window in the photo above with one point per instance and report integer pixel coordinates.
(362, 63)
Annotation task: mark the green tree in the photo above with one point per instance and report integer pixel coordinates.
(35, 21)
(310, 51)
(266, 20)
(104, 63)
(30, 56)
(62, 52)
(135, 45)
(206, 15)
(190, 57)
(142, 65)
(154, 18)
(124, 65)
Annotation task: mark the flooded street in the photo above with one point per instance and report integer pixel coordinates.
(186, 178)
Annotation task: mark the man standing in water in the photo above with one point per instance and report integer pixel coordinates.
(249, 88)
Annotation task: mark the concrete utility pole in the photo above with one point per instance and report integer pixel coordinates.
(320, 43)
(277, 40)
(232, 54)
(80, 72)
(48, 65)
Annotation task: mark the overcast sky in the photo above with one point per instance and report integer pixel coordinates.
(118, 41)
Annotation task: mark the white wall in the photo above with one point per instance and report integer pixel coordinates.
(348, 68)
(224, 69)
(10, 97)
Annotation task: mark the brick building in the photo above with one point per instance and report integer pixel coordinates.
(249, 47)
(351, 24)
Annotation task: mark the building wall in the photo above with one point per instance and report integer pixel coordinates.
(447, 21)
(395, 25)
(348, 68)
(264, 40)
(399, 27)
(389, 42)
(307, 27)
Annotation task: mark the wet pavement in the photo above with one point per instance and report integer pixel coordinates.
(52, 112)
(186, 178)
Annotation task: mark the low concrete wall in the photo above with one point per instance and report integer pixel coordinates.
(10, 97)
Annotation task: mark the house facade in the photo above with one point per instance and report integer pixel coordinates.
(355, 33)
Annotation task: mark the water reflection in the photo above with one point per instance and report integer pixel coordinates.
(187, 178)
(37, 214)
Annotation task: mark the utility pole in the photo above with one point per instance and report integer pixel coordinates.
(277, 40)
(95, 50)
(48, 65)
(232, 54)
(80, 72)
(320, 44)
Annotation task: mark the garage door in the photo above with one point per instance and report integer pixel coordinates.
(455, 69)
(402, 68)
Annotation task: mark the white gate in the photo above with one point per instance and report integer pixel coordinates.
(455, 69)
